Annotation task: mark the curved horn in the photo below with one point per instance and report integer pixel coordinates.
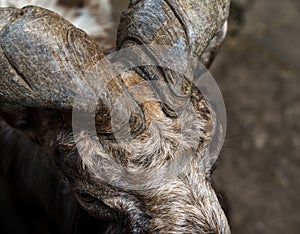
(54, 71)
(46, 62)
(188, 25)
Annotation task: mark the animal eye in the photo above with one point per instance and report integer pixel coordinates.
(87, 198)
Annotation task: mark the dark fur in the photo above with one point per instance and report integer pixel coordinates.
(34, 196)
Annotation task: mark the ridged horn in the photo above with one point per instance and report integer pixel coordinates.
(188, 25)
(46, 62)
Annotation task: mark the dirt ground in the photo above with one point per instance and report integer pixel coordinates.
(258, 73)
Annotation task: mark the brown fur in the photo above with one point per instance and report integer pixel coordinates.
(182, 204)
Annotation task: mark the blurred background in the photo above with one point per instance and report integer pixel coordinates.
(258, 72)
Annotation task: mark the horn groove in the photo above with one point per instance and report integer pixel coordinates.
(49, 63)
(186, 26)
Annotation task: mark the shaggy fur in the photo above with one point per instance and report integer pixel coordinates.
(180, 202)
